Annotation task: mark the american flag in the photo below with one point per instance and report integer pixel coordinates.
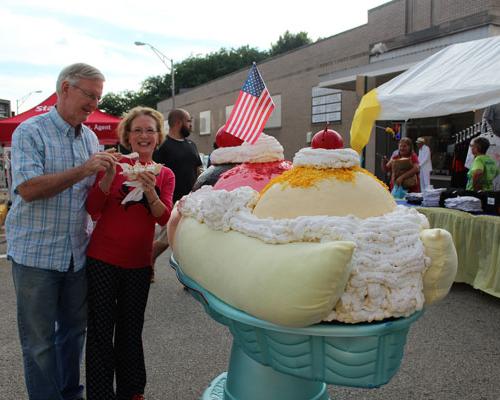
(251, 110)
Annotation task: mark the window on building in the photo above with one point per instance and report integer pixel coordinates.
(274, 120)
(205, 122)
(326, 105)
(228, 111)
(309, 136)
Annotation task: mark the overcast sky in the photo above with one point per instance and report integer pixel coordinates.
(39, 38)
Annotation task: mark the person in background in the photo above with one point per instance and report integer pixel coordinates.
(490, 130)
(483, 169)
(215, 147)
(425, 162)
(120, 259)
(180, 155)
(407, 177)
(54, 162)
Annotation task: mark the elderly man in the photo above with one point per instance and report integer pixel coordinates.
(54, 160)
(424, 159)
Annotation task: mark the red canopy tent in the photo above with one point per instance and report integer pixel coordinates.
(104, 125)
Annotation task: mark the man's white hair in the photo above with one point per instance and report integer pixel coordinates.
(74, 72)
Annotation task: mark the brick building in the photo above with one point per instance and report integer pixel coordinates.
(324, 81)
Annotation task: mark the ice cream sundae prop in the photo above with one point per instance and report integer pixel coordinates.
(236, 164)
(318, 276)
(327, 139)
(221, 158)
(260, 162)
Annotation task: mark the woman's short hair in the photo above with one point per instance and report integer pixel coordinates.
(126, 123)
(482, 144)
(74, 72)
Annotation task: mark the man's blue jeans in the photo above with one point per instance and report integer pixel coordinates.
(51, 317)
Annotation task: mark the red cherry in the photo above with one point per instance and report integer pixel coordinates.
(327, 139)
(225, 139)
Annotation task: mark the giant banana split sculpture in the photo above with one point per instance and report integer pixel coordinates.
(323, 243)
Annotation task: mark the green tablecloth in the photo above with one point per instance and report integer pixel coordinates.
(477, 240)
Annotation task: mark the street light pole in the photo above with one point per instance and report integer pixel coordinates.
(20, 102)
(168, 62)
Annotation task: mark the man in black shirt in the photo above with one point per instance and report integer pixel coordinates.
(180, 155)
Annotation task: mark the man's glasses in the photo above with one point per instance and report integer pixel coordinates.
(89, 95)
(148, 131)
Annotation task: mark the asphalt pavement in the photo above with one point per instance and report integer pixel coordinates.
(452, 351)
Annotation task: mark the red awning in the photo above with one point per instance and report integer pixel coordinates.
(104, 125)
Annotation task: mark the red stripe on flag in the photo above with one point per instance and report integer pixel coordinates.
(246, 106)
(265, 108)
(246, 99)
(264, 119)
(249, 130)
(243, 129)
(235, 112)
(249, 105)
(256, 129)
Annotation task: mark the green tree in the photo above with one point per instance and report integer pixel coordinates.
(289, 41)
(154, 89)
(118, 103)
(195, 71)
(189, 73)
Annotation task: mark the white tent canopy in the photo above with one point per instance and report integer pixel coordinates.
(462, 77)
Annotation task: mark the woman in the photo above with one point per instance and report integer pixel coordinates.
(483, 169)
(119, 261)
(404, 167)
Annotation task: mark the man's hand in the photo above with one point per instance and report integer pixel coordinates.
(108, 177)
(101, 161)
(49, 185)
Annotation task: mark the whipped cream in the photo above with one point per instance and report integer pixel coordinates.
(387, 264)
(265, 149)
(326, 158)
(131, 171)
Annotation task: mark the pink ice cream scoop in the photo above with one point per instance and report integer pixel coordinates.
(255, 175)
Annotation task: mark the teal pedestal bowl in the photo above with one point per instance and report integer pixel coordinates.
(272, 362)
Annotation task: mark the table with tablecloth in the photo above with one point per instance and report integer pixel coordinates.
(477, 240)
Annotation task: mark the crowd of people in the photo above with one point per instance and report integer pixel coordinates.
(410, 172)
(83, 252)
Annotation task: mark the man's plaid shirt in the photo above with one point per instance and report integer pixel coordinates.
(46, 233)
